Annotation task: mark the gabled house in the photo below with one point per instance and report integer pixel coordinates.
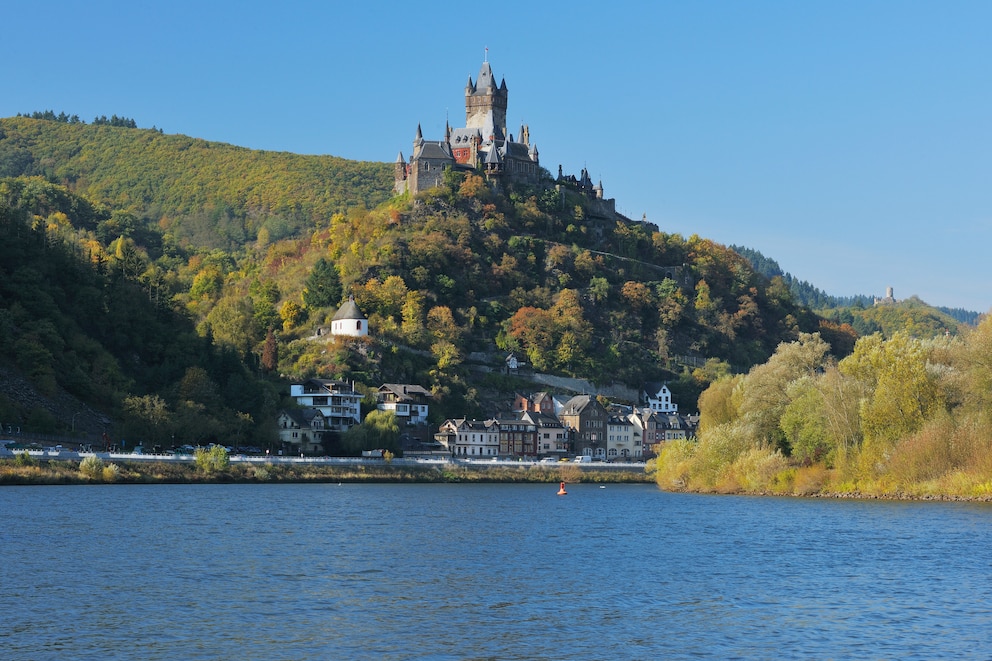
(675, 426)
(517, 436)
(620, 432)
(336, 400)
(467, 439)
(658, 398)
(552, 437)
(586, 418)
(540, 402)
(302, 430)
(408, 402)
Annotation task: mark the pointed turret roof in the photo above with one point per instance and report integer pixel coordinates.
(494, 157)
(399, 157)
(348, 311)
(485, 79)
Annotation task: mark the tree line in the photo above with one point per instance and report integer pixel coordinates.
(901, 415)
(100, 120)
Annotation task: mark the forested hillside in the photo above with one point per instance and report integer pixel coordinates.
(860, 311)
(256, 250)
(76, 320)
(195, 193)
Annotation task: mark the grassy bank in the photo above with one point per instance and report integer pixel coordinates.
(711, 466)
(26, 471)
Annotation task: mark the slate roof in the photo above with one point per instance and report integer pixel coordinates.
(436, 149)
(348, 311)
(405, 391)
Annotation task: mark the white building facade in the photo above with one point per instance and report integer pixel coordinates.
(336, 400)
(468, 439)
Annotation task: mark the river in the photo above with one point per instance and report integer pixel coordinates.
(483, 571)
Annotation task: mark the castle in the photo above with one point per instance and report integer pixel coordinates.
(484, 145)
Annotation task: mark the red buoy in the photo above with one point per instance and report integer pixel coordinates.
(561, 490)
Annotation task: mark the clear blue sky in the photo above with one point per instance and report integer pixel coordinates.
(850, 141)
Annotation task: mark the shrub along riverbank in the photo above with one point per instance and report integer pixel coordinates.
(27, 470)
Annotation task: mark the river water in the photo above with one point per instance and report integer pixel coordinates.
(468, 571)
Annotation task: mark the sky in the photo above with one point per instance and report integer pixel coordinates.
(851, 141)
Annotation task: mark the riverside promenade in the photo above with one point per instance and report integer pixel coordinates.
(60, 454)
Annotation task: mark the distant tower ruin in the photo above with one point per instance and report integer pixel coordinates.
(889, 298)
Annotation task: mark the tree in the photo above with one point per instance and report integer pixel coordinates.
(442, 326)
(292, 314)
(323, 286)
(901, 390)
(233, 322)
(803, 421)
(973, 374)
(763, 395)
(270, 352)
(379, 431)
(599, 289)
(150, 417)
(212, 460)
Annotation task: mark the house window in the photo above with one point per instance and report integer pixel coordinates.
(359, 326)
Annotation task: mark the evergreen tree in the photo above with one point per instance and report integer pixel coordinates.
(323, 286)
(270, 352)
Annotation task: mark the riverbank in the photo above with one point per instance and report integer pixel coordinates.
(845, 495)
(24, 472)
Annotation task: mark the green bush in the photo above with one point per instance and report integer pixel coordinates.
(92, 467)
(212, 460)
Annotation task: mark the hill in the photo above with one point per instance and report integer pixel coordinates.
(224, 253)
(201, 194)
(860, 311)
(89, 348)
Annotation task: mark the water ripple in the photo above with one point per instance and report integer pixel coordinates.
(486, 572)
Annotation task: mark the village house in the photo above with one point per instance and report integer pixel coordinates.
(586, 418)
(620, 438)
(302, 430)
(541, 402)
(552, 437)
(337, 401)
(658, 398)
(517, 436)
(408, 402)
(674, 426)
(466, 439)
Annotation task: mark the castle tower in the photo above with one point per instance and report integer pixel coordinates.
(399, 172)
(485, 101)
(418, 142)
